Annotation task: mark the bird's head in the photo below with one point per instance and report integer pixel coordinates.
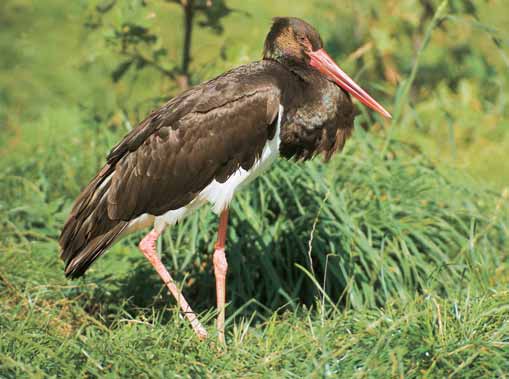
(293, 42)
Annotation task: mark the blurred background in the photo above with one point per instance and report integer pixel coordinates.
(416, 206)
(110, 62)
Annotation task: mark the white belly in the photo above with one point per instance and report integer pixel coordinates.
(219, 195)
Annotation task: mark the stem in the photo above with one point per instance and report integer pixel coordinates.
(188, 31)
(151, 63)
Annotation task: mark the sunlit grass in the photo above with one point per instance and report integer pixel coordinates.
(372, 263)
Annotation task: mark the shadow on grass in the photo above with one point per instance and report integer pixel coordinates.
(140, 291)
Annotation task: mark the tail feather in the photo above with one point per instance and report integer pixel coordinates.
(89, 231)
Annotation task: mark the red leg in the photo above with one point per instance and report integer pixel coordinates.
(148, 248)
(220, 269)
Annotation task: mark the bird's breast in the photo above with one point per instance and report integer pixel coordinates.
(318, 123)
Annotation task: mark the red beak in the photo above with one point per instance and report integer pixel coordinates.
(324, 63)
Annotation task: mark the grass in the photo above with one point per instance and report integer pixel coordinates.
(430, 337)
(369, 265)
(389, 261)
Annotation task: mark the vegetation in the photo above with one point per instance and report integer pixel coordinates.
(391, 260)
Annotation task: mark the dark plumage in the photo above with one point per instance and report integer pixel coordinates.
(204, 134)
(171, 156)
(206, 143)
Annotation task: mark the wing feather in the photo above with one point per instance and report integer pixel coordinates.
(179, 157)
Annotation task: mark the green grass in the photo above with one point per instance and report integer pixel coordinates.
(369, 265)
(429, 337)
(392, 260)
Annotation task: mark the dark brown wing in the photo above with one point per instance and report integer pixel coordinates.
(204, 134)
(225, 125)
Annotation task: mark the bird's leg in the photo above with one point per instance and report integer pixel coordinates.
(148, 248)
(220, 268)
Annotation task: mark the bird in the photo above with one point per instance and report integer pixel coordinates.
(204, 145)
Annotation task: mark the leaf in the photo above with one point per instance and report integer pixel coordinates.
(105, 6)
(121, 69)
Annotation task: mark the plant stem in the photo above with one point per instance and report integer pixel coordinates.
(188, 31)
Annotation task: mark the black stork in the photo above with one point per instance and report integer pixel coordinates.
(204, 145)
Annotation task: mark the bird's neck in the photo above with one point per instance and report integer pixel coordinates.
(299, 69)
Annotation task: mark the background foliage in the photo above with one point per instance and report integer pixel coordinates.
(390, 260)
